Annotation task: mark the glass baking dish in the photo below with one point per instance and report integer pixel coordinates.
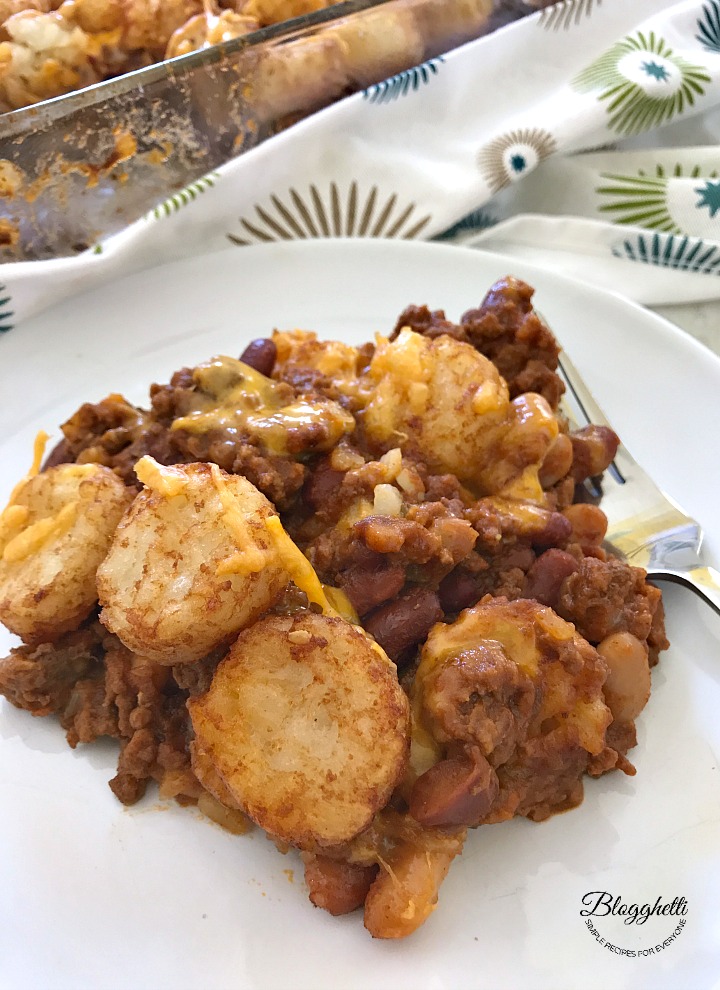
(79, 167)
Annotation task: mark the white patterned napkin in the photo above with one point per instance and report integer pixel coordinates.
(585, 137)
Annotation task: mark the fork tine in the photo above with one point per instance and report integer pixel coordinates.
(650, 529)
(588, 407)
(582, 395)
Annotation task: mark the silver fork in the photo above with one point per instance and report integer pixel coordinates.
(646, 528)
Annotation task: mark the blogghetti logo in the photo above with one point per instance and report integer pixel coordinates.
(633, 928)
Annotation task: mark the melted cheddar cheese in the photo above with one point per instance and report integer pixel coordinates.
(165, 480)
(237, 399)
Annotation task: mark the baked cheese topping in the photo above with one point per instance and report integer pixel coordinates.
(12, 520)
(237, 399)
(342, 604)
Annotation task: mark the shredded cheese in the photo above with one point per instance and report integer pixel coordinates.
(251, 558)
(299, 567)
(163, 479)
(39, 445)
(12, 521)
(30, 540)
(341, 603)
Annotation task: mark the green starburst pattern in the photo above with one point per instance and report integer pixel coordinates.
(642, 199)
(184, 196)
(511, 156)
(709, 197)
(565, 14)
(6, 313)
(473, 223)
(686, 254)
(642, 82)
(327, 212)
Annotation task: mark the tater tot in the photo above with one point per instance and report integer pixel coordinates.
(191, 564)
(448, 401)
(53, 535)
(307, 726)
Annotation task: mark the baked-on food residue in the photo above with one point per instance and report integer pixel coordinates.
(357, 596)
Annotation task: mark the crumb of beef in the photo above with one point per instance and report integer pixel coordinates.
(564, 493)
(439, 486)
(607, 596)
(506, 329)
(135, 765)
(657, 641)
(279, 478)
(106, 704)
(164, 398)
(429, 323)
(621, 736)
(195, 677)
(154, 440)
(41, 680)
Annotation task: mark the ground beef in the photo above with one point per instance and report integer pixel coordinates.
(482, 698)
(279, 478)
(429, 323)
(99, 688)
(506, 329)
(41, 680)
(607, 596)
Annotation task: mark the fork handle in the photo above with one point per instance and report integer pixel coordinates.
(705, 581)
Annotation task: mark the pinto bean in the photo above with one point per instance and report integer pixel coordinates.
(336, 886)
(390, 534)
(545, 577)
(589, 523)
(454, 792)
(404, 622)
(261, 355)
(627, 687)
(558, 461)
(369, 587)
(594, 447)
(405, 892)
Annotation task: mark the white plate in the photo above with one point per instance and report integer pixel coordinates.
(96, 896)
